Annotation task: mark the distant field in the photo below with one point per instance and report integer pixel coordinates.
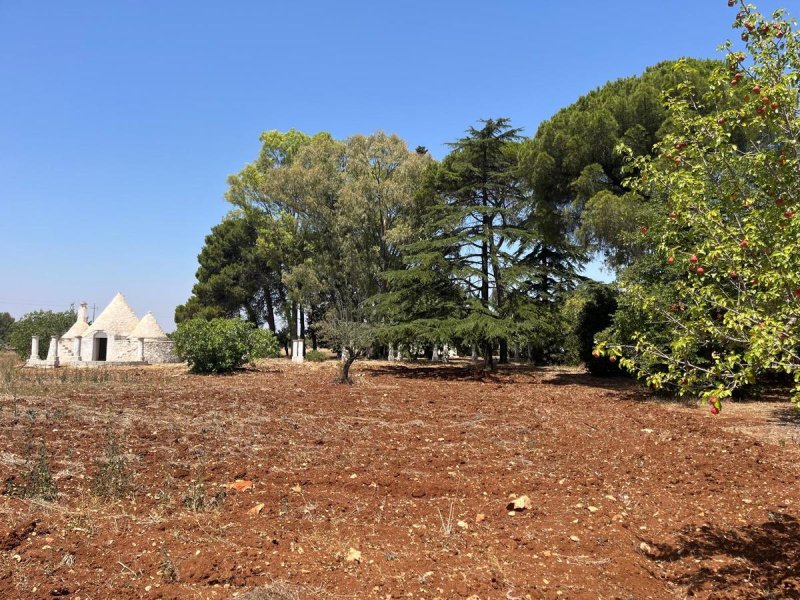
(396, 486)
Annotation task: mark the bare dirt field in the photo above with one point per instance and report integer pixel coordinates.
(398, 486)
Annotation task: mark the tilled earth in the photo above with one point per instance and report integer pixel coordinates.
(395, 487)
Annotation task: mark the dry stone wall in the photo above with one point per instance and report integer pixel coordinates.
(160, 351)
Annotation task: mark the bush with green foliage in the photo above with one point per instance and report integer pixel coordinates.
(589, 310)
(264, 344)
(728, 233)
(45, 324)
(221, 345)
(316, 356)
(6, 321)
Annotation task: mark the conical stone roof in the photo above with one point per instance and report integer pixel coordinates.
(80, 325)
(148, 328)
(117, 319)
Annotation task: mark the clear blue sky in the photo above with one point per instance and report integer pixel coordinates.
(120, 121)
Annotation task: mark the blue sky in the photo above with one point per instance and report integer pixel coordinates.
(120, 121)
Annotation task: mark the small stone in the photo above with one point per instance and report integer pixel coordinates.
(463, 524)
(480, 517)
(240, 485)
(256, 509)
(353, 555)
(521, 503)
(593, 509)
(644, 547)
(575, 538)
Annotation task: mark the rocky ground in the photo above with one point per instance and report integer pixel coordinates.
(417, 481)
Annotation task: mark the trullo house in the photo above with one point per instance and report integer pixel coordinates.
(117, 336)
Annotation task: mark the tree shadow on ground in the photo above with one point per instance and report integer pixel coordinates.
(786, 415)
(759, 560)
(625, 386)
(455, 371)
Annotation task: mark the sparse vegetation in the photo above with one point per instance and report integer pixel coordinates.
(169, 571)
(113, 478)
(37, 479)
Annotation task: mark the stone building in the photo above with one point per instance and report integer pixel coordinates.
(117, 337)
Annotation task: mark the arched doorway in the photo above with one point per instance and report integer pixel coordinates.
(100, 347)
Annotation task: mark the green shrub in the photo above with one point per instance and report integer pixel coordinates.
(264, 344)
(45, 324)
(316, 356)
(594, 312)
(219, 345)
(222, 345)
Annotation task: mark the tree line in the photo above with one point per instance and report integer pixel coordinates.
(381, 247)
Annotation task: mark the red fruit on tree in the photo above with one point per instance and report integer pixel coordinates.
(756, 89)
(745, 36)
(733, 275)
(612, 359)
(788, 214)
(693, 258)
(778, 201)
(749, 26)
(670, 260)
(714, 410)
(797, 293)
(700, 270)
(779, 33)
(765, 99)
(774, 106)
(673, 215)
(731, 2)
(743, 243)
(712, 400)
(644, 229)
(721, 121)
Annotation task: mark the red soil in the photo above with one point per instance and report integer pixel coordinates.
(629, 497)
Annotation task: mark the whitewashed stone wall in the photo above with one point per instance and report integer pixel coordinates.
(123, 349)
(87, 345)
